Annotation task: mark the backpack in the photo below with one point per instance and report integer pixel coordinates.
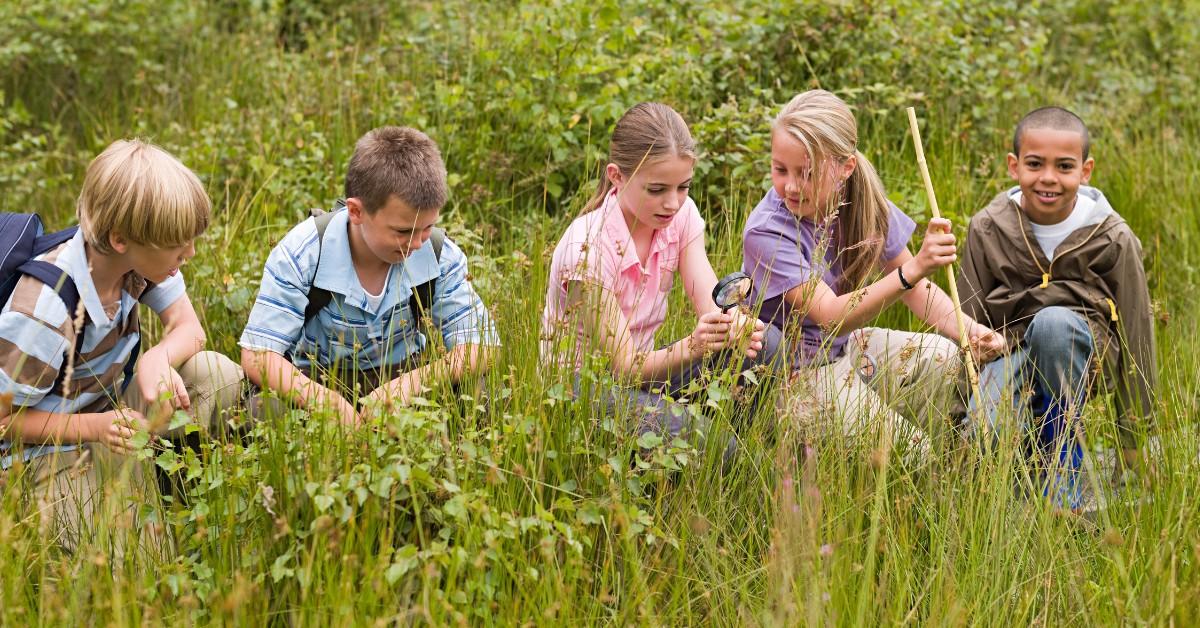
(318, 298)
(22, 239)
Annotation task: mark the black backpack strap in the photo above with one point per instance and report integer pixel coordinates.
(422, 296)
(318, 298)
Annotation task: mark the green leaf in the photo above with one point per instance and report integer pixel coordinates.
(179, 419)
(649, 440)
(323, 502)
(405, 559)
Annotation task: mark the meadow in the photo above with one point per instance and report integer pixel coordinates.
(512, 505)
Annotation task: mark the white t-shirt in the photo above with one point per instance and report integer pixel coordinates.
(373, 300)
(1050, 236)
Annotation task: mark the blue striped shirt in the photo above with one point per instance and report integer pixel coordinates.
(348, 330)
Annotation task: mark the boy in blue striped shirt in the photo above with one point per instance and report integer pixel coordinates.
(338, 317)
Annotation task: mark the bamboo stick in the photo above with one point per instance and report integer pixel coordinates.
(963, 340)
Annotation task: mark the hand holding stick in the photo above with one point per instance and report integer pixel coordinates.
(964, 340)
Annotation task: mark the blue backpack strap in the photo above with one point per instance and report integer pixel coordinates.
(57, 279)
(44, 243)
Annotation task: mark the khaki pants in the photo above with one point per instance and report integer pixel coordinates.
(93, 494)
(888, 385)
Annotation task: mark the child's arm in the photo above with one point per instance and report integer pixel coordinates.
(183, 337)
(32, 355)
(115, 428)
(608, 328)
(459, 363)
(272, 371)
(1138, 369)
(465, 326)
(699, 279)
(931, 304)
(855, 309)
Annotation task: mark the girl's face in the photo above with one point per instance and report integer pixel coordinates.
(806, 191)
(655, 193)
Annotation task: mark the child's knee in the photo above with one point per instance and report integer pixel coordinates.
(214, 382)
(943, 354)
(1057, 326)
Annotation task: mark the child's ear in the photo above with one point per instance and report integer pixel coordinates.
(1086, 171)
(1012, 166)
(118, 243)
(613, 172)
(354, 206)
(848, 167)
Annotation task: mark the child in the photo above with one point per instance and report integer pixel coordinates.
(813, 245)
(140, 212)
(613, 270)
(1060, 273)
(384, 272)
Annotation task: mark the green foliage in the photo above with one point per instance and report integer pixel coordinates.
(514, 503)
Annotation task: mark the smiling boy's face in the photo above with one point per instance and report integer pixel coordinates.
(1049, 170)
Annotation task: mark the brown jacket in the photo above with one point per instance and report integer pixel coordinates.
(1097, 271)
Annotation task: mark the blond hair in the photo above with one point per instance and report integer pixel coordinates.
(823, 124)
(646, 133)
(397, 161)
(142, 193)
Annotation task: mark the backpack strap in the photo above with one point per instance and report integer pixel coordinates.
(318, 298)
(422, 296)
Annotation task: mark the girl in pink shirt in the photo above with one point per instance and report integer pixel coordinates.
(614, 268)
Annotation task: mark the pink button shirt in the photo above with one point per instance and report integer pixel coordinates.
(598, 249)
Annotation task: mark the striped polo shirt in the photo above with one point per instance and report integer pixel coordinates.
(36, 334)
(352, 330)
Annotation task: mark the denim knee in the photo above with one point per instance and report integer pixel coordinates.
(1059, 329)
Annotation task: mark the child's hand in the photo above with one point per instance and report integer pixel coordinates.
(394, 394)
(712, 333)
(155, 376)
(986, 344)
(937, 250)
(746, 327)
(344, 410)
(116, 429)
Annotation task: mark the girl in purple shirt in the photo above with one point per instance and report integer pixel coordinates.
(828, 253)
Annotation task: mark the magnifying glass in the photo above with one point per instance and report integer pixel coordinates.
(732, 290)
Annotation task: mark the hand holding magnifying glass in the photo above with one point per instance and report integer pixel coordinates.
(730, 293)
(732, 290)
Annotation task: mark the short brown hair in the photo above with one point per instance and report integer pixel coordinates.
(397, 161)
(143, 193)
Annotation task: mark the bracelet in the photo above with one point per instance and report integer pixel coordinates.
(903, 281)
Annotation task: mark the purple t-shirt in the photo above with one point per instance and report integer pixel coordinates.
(778, 253)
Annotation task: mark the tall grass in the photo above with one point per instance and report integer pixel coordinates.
(520, 506)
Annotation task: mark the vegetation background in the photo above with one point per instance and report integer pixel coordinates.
(526, 509)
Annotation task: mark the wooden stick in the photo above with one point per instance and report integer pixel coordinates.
(963, 340)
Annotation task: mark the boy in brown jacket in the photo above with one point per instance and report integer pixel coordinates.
(1052, 265)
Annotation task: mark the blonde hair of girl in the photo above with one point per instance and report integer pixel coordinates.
(646, 133)
(823, 124)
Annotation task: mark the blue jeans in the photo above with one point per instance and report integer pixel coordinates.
(1043, 383)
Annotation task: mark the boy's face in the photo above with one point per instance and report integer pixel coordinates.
(806, 191)
(395, 231)
(1049, 170)
(655, 193)
(158, 264)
